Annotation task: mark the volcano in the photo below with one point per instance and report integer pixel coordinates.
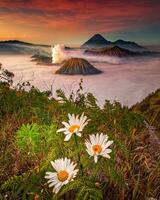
(113, 51)
(97, 41)
(77, 66)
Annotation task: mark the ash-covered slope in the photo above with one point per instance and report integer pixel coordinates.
(77, 66)
(96, 41)
(113, 51)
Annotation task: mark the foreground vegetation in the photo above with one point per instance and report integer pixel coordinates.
(150, 109)
(29, 142)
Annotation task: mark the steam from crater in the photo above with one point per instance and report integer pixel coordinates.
(58, 54)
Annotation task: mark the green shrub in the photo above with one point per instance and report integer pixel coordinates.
(28, 138)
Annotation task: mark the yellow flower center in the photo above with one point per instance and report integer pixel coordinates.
(97, 148)
(73, 128)
(62, 175)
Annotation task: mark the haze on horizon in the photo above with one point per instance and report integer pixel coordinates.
(72, 22)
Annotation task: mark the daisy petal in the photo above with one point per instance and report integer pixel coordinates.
(61, 130)
(95, 158)
(67, 138)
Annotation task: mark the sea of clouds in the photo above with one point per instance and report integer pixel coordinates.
(126, 80)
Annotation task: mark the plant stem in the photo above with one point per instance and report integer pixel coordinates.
(79, 158)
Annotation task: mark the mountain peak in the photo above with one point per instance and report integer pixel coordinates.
(96, 41)
(99, 36)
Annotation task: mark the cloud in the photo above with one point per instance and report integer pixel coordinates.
(81, 17)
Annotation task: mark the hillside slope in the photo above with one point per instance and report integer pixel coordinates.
(150, 108)
(29, 141)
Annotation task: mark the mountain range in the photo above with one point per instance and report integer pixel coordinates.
(98, 41)
(96, 45)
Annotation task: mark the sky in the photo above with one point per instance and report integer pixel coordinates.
(75, 21)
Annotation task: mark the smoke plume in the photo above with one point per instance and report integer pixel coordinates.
(58, 54)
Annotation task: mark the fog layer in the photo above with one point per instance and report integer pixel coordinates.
(125, 80)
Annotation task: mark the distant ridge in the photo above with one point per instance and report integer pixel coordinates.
(19, 47)
(112, 51)
(96, 41)
(129, 45)
(75, 66)
(22, 43)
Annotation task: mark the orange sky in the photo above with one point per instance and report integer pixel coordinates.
(68, 21)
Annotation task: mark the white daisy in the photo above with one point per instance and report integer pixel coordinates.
(98, 146)
(75, 125)
(65, 172)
